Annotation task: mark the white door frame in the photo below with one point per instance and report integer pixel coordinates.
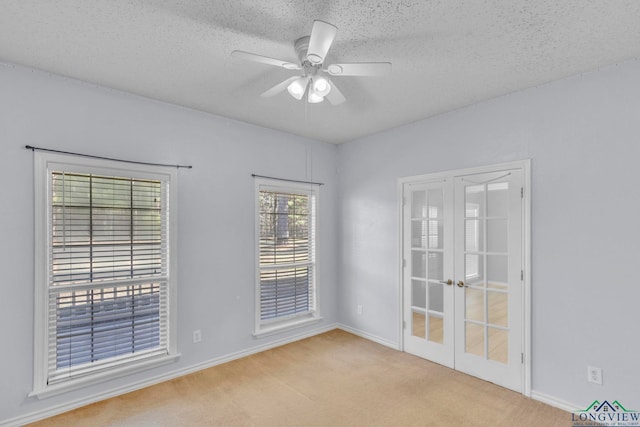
(525, 166)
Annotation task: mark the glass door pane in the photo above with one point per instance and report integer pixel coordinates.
(435, 215)
(429, 265)
(486, 218)
(419, 264)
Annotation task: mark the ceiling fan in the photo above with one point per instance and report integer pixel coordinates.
(314, 81)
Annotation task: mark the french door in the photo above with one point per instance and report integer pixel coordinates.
(428, 271)
(463, 273)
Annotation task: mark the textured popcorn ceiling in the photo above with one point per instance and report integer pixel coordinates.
(446, 54)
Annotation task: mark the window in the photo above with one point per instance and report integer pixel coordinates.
(286, 255)
(104, 276)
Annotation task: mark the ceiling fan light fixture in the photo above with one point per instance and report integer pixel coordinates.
(315, 82)
(314, 98)
(321, 86)
(298, 87)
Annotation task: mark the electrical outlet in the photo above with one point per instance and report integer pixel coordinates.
(197, 336)
(594, 375)
(359, 309)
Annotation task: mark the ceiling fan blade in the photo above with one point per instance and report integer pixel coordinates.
(360, 69)
(265, 60)
(279, 87)
(335, 97)
(322, 35)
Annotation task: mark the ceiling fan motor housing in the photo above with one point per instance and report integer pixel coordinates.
(302, 46)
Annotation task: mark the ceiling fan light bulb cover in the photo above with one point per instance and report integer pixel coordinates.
(314, 98)
(297, 88)
(321, 86)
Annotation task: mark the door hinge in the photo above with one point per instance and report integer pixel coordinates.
(522, 192)
(404, 201)
(521, 275)
(404, 324)
(404, 263)
(522, 358)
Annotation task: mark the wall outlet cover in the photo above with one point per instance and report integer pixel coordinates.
(594, 374)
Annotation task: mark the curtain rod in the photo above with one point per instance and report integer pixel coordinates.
(29, 147)
(288, 180)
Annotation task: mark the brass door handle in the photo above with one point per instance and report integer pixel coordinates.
(461, 284)
(448, 282)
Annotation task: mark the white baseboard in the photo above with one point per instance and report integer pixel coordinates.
(554, 401)
(369, 336)
(55, 410)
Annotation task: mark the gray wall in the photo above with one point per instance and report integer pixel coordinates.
(215, 202)
(582, 135)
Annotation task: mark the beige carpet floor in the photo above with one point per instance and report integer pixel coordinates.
(333, 379)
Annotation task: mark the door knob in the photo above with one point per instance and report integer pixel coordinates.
(461, 284)
(448, 282)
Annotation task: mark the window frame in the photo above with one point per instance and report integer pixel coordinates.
(44, 164)
(272, 326)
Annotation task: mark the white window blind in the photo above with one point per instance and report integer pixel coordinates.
(286, 249)
(108, 274)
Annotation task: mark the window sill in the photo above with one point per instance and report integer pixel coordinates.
(286, 326)
(77, 383)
